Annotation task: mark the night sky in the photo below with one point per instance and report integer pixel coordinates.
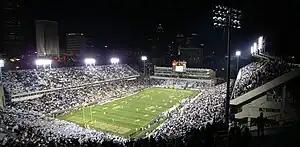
(130, 23)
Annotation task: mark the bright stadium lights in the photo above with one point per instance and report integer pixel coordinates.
(260, 43)
(43, 62)
(144, 58)
(255, 47)
(258, 46)
(1, 63)
(226, 17)
(89, 61)
(114, 60)
(238, 53)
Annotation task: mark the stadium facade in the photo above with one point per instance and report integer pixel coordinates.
(194, 74)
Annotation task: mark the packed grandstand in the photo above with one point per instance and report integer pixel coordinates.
(32, 122)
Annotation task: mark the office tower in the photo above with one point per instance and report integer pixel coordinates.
(47, 42)
(192, 55)
(159, 46)
(76, 43)
(13, 36)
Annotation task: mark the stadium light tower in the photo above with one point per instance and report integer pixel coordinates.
(258, 46)
(1, 65)
(255, 48)
(43, 62)
(89, 61)
(144, 59)
(114, 60)
(252, 50)
(227, 18)
(237, 54)
(260, 43)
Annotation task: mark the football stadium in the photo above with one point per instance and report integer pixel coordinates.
(115, 105)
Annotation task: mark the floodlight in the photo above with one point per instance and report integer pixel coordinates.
(260, 43)
(255, 47)
(238, 53)
(144, 58)
(222, 15)
(1, 63)
(114, 60)
(89, 61)
(252, 50)
(43, 62)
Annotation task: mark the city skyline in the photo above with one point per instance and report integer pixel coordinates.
(130, 24)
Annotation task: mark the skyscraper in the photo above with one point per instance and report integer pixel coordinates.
(190, 49)
(76, 43)
(192, 55)
(180, 41)
(13, 37)
(159, 43)
(47, 42)
(192, 40)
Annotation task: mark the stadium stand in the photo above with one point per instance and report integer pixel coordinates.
(194, 123)
(261, 87)
(27, 81)
(258, 73)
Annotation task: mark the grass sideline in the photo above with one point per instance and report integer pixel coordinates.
(128, 115)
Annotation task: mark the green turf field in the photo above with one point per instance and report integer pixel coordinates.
(127, 115)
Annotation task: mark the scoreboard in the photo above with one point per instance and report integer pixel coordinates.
(179, 66)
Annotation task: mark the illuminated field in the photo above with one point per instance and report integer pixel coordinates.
(126, 117)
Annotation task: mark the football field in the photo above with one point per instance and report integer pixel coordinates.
(126, 116)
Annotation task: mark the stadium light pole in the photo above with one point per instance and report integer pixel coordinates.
(227, 18)
(260, 43)
(144, 58)
(1, 84)
(1, 65)
(237, 54)
(255, 48)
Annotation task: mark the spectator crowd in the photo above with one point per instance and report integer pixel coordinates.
(194, 123)
(32, 80)
(258, 73)
(181, 84)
